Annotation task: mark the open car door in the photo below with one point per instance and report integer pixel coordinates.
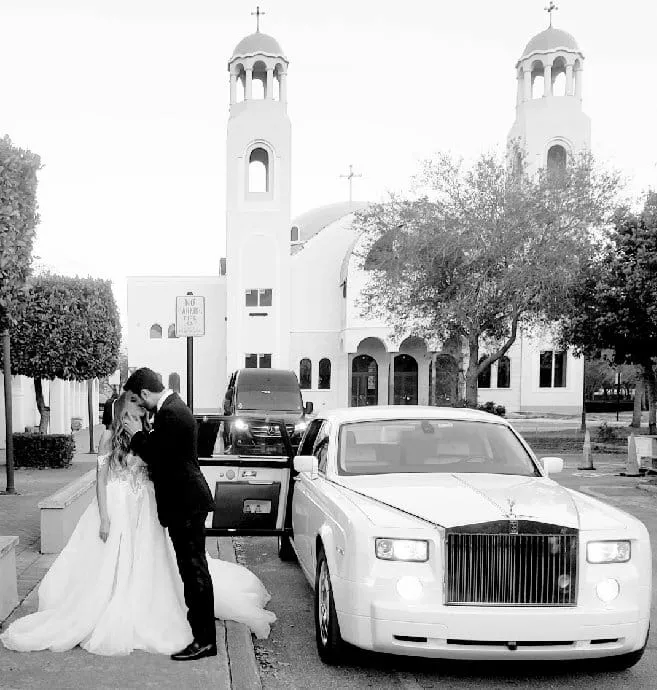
(251, 493)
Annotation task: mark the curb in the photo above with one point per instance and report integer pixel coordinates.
(242, 664)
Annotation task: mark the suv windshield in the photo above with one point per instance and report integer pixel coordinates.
(284, 397)
(431, 446)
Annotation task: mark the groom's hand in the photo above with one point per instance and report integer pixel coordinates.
(132, 426)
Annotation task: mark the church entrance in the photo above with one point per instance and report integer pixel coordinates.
(405, 384)
(364, 381)
(446, 380)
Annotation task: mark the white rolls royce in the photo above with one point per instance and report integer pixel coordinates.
(436, 532)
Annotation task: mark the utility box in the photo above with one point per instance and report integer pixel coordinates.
(646, 451)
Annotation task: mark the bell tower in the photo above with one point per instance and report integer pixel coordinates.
(550, 123)
(258, 154)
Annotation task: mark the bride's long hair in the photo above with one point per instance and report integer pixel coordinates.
(120, 437)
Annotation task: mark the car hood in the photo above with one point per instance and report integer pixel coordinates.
(450, 500)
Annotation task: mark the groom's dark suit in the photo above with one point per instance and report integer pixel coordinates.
(183, 502)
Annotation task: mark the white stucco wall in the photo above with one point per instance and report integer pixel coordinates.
(153, 300)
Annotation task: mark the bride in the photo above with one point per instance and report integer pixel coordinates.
(115, 586)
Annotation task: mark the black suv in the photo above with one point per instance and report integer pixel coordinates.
(257, 398)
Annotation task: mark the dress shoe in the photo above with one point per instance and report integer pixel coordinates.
(195, 650)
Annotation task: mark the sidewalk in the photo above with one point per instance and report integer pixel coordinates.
(234, 668)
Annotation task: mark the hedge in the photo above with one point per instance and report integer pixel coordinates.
(43, 450)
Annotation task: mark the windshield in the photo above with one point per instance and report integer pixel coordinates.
(431, 446)
(266, 399)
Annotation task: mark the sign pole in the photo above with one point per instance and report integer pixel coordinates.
(190, 323)
(6, 367)
(190, 373)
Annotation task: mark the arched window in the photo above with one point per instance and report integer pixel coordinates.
(538, 80)
(174, 382)
(364, 381)
(504, 372)
(557, 158)
(483, 380)
(172, 330)
(258, 171)
(240, 82)
(156, 330)
(305, 373)
(294, 234)
(324, 374)
(258, 81)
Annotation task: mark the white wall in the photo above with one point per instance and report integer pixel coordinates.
(66, 399)
(153, 300)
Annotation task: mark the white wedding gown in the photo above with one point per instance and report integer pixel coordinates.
(126, 593)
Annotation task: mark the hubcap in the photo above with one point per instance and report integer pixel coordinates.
(323, 611)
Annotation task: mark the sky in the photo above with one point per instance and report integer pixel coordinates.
(126, 102)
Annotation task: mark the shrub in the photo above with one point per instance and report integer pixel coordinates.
(605, 433)
(43, 450)
(489, 406)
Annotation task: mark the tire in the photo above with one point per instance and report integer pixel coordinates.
(330, 645)
(285, 550)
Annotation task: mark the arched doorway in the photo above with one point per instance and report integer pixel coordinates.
(364, 381)
(405, 385)
(446, 380)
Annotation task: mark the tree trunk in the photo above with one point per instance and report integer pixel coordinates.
(472, 373)
(44, 410)
(92, 415)
(638, 398)
(651, 390)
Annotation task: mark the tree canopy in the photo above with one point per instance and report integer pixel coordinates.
(18, 221)
(614, 303)
(69, 328)
(482, 250)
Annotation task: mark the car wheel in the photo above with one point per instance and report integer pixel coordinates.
(327, 628)
(285, 550)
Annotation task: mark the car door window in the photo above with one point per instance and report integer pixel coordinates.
(308, 441)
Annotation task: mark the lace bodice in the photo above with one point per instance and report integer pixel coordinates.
(135, 471)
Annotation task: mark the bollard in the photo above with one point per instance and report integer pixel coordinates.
(587, 458)
(632, 469)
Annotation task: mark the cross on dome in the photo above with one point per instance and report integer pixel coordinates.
(550, 9)
(257, 14)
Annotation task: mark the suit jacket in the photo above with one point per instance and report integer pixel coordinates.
(170, 452)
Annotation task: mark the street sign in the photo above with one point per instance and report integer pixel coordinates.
(190, 316)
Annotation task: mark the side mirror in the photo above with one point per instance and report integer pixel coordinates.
(308, 408)
(552, 465)
(306, 463)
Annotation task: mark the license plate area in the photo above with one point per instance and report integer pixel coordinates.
(256, 507)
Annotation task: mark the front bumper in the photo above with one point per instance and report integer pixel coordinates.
(491, 632)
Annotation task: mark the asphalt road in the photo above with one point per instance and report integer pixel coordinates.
(288, 659)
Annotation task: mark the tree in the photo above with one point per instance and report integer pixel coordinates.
(18, 221)
(614, 303)
(69, 329)
(481, 251)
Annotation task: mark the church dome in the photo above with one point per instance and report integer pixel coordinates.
(550, 39)
(258, 43)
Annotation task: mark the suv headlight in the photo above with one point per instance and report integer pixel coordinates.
(608, 551)
(402, 550)
(240, 425)
(300, 427)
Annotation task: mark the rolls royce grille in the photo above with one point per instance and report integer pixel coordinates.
(511, 563)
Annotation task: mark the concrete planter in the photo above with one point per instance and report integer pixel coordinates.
(76, 423)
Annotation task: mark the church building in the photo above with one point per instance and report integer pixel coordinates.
(286, 294)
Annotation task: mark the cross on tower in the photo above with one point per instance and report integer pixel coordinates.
(550, 9)
(350, 177)
(257, 14)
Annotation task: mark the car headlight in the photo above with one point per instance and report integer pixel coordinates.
(300, 427)
(608, 551)
(402, 550)
(240, 425)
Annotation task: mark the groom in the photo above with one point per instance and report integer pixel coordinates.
(183, 499)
